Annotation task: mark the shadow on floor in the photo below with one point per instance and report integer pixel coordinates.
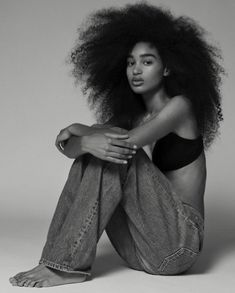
(107, 261)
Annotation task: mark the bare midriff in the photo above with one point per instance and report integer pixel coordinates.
(189, 181)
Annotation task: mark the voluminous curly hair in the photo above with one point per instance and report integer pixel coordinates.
(99, 60)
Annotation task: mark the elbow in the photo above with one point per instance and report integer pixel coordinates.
(68, 152)
(68, 155)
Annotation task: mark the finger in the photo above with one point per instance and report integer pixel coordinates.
(116, 135)
(122, 150)
(59, 147)
(122, 143)
(106, 157)
(57, 144)
(115, 160)
(60, 143)
(121, 130)
(120, 156)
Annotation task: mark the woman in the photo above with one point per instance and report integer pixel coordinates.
(140, 173)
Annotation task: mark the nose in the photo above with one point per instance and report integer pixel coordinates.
(137, 69)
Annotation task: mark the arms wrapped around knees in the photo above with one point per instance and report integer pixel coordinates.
(79, 139)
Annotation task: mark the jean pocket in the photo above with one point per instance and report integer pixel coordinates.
(178, 262)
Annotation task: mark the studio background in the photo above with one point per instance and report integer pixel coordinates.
(38, 98)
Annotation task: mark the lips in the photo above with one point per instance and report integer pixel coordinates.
(137, 81)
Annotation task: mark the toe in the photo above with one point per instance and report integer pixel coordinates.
(38, 284)
(13, 281)
(22, 282)
(27, 283)
(31, 283)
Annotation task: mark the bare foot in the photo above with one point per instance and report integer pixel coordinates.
(42, 276)
(13, 279)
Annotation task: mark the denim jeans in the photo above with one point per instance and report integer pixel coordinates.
(146, 222)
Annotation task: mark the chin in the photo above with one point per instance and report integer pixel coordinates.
(138, 90)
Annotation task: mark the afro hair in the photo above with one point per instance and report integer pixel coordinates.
(99, 60)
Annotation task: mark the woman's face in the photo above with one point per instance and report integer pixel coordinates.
(144, 68)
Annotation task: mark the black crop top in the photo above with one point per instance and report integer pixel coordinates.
(173, 151)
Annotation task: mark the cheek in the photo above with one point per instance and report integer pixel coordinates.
(155, 76)
(128, 74)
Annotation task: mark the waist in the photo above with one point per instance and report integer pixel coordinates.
(189, 182)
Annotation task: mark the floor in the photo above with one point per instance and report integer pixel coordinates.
(214, 271)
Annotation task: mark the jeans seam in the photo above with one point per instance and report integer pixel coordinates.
(175, 255)
(84, 228)
(199, 226)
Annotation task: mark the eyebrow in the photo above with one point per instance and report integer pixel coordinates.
(143, 55)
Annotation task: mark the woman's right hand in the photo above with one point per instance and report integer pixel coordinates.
(115, 149)
(61, 138)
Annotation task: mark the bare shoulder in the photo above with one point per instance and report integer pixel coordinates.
(188, 126)
(182, 102)
(176, 111)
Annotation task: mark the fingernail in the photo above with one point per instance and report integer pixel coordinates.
(125, 162)
(135, 146)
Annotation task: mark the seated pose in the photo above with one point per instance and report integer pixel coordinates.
(140, 172)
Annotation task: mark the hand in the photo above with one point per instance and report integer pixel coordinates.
(61, 138)
(113, 149)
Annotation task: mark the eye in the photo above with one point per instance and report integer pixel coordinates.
(130, 63)
(148, 62)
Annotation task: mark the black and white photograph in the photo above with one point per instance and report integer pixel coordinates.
(117, 150)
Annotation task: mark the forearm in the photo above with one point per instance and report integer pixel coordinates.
(74, 147)
(78, 129)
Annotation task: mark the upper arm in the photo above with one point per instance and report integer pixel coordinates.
(107, 124)
(170, 117)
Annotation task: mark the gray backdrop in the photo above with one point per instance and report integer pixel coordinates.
(38, 98)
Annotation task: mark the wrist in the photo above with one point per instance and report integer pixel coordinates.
(84, 143)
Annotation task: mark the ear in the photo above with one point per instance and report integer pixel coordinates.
(166, 71)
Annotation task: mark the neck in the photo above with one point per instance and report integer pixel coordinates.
(155, 101)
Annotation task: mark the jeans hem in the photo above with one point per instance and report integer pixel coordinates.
(62, 268)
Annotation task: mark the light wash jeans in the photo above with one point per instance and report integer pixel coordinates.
(146, 222)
